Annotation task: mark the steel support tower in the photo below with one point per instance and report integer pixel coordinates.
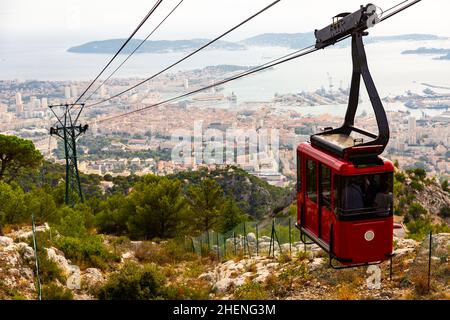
(69, 131)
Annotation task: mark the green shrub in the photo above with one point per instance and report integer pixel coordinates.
(251, 291)
(55, 292)
(194, 290)
(444, 212)
(171, 251)
(134, 282)
(416, 185)
(87, 251)
(72, 223)
(8, 293)
(419, 228)
(415, 211)
(49, 270)
(445, 186)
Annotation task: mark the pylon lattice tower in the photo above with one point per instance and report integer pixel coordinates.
(69, 131)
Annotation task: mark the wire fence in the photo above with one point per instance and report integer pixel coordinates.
(278, 236)
(430, 264)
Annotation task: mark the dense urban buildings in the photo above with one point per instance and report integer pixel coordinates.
(148, 141)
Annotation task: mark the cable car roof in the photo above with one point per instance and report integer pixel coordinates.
(343, 166)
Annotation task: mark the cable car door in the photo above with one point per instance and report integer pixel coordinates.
(326, 213)
(311, 199)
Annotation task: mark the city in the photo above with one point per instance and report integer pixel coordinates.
(143, 143)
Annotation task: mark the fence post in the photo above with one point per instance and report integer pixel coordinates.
(257, 240)
(234, 237)
(271, 240)
(290, 237)
(224, 246)
(429, 260)
(245, 238)
(209, 243)
(278, 241)
(36, 257)
(218, 246)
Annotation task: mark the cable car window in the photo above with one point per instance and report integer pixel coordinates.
(311, 180)
(299, 173)
(336, 188)
(325, 184)
(367, 194)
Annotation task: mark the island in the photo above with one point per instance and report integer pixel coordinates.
(158, 46)
(444, 54)
(286, 40)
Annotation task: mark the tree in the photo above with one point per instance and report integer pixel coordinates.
(72, 223)
(231, 215)
(206, 200)
(157, 208)
(12, 208)
(114, 214)
(41, 203)
(445, 186)
(15, 154)
(415, 211)
(444, 212)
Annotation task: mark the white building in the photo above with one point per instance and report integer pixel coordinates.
(412, 131)
(18, 99)
(44, 103)
(67, 92)
(74, 91)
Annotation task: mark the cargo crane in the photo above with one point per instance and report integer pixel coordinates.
(345, 202)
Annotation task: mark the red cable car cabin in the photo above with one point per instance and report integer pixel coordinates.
(345, 189)
(343, 206)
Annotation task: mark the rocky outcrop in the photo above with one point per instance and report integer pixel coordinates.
(226, 277)
(16, 269)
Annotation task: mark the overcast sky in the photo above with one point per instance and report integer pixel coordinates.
(101, 19)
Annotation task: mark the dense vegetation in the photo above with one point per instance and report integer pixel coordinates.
(417, 218)
(160, 209)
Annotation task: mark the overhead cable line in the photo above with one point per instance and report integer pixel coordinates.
(393, 7)
(121, 48)
(400, 9)
(137, 48)
(233, 78)
(188, 56)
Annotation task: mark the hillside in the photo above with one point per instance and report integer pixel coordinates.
(303, 276)
(257, 197)
(180, 237)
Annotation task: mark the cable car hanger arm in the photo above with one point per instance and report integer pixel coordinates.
(339, 141)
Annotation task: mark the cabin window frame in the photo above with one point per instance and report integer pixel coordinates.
(367, 212)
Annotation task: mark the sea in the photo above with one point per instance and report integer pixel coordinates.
(394, 73)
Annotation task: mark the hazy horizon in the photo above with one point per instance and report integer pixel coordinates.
(83, 20)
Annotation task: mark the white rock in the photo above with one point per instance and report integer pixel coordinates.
(128, 255)
(28, 273)
(92, 277)
(251, 237)
(208, 276)
(25, 250)
(60, 260)
(223, 285)
(6, 242)
(316, 263)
